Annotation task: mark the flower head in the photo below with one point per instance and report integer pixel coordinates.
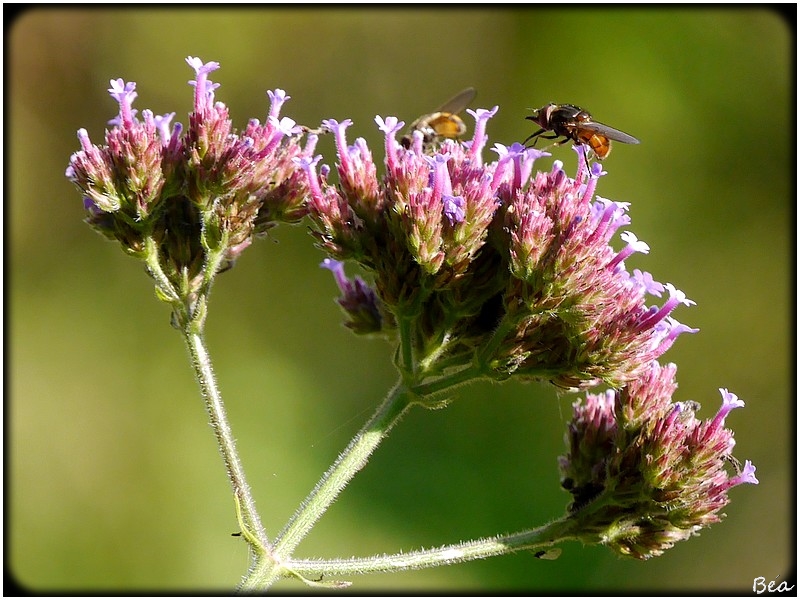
(129, 176)
(195, 190)
(643, 471)
(515, 267)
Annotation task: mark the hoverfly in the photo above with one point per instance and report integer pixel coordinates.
(442, 124)
(574, 123)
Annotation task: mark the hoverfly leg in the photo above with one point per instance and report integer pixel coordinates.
(555, 137)
(539, 135)
(589, 154)
(533, 135)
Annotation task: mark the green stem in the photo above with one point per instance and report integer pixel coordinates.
(214, 258)
(448, 363)
(352, 460)
(227, 446)
(487, 352)
(406, 341)
(444, 384)
(534, 539)
(164, 287)
(433, 358)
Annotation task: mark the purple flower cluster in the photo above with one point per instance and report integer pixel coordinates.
(482, 269)
(208, 187)
(643, 471)
(505, 267)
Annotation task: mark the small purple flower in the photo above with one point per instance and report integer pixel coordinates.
(308, 165)
(203, 88)
(748, 475)
(634, 245)
(676, 297)
(454, 209)
(665, 332)
(479, 137)
(390, 126)
(338, 129)
(440, 175)
(607, 217)
(337, 268)
(276, 100)
(358, 300)
(162, 124)
(729, 402)
(124, 94)
(516, 154)
(646, 281)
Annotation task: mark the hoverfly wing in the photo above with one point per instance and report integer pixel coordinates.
(606, 131)
(444, 122)
(459, 102)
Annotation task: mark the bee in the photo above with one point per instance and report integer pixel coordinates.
(442, 124)
(574, 123)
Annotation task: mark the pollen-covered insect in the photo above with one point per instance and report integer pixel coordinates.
(442, 124)
(573, 123)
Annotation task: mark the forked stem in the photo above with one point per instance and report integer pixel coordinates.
(349, 462)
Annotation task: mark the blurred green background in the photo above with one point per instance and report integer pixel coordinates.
(115, 483)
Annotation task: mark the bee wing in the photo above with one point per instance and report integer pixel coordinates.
(605, 130)
(459, 102)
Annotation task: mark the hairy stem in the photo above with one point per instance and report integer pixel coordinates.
(227, 446)
(164, 287)
(349, 462)
(534, 539)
